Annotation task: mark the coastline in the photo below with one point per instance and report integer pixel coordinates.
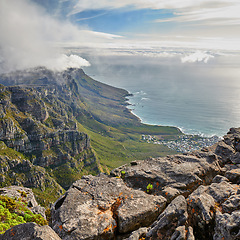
(134, 101)
(129, 105)
(183, 130)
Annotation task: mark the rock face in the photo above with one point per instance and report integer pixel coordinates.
(172, 219)
(30, 231)
(101, 207)
(28, 102)
(27, 130)
(16, 170)
(40, 121)
(227, 226)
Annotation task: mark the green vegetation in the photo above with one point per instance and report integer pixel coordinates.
(9, 152)
(149, 188)
(14, 212)
(46, 197)
(115, 147)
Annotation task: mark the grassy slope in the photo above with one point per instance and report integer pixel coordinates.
(114, 131)
(115, 147)
(114, 154)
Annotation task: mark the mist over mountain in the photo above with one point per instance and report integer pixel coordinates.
(29, 36)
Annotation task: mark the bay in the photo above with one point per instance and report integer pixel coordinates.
(199, 98)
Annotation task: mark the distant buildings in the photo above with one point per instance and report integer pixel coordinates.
(185, 143)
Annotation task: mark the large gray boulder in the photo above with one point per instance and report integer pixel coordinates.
(233, 175)
(232, 204)
(203, 204)
(30, 231)
(98, 207)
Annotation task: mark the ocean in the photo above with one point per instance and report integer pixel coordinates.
(198, 97)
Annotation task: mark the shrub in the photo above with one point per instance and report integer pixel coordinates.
(9, 203)
(14, 212)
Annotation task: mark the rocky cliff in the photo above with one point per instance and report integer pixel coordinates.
(39, 122)
(193, 196)
(43, 147)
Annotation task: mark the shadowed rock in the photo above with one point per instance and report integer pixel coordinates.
(30, 231)
(171, 222)
(227, 226)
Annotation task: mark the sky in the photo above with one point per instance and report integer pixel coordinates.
(202, 21)
(34, 32)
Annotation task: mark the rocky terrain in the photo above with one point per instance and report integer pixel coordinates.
(193, 196)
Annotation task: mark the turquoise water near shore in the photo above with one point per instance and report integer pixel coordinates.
(200, 98)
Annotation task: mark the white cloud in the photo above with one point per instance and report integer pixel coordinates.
(63, 62)
(198, 56)
(152, 4)
(100, 34)
(227, 11)
(223, 15)
(30, 36)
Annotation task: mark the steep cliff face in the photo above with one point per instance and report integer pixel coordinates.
(16, 170)
(39, 121)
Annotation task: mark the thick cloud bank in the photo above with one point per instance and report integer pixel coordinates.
(27, 34)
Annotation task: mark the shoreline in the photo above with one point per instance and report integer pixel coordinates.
(181, 129)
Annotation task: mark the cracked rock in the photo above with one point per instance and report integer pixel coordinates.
(101, 207)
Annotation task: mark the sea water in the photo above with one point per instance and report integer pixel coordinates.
(200, 97)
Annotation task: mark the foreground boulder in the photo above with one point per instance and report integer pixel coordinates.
(101, 207)
(227, 226)
(206, 181)
(30, 231)
(193, 196)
